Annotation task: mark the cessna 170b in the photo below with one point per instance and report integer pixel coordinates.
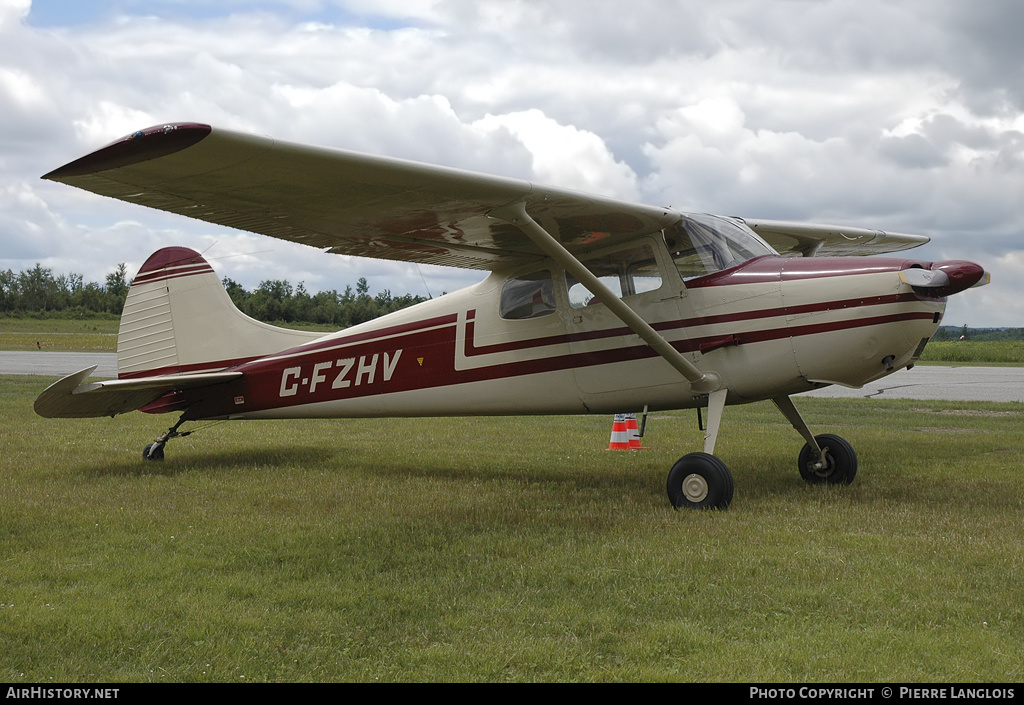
(591, 305)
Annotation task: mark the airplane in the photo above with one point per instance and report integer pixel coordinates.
(590, 305)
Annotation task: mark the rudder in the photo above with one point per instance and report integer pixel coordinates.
(179, 319)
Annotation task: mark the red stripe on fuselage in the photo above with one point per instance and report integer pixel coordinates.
(770, 269)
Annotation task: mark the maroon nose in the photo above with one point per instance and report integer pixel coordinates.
(962, 275)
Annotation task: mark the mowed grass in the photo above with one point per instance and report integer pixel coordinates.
(94, 334)
(509, 549)
(59, 334)
(1001, 352)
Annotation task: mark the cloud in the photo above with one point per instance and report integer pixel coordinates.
(13, 13)
(565, 155)
(901, 116)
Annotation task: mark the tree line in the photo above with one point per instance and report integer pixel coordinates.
(277, 301)
(38, 291)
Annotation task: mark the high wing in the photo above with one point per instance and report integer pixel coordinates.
(810, 239)
(356, 204)
(345, 202)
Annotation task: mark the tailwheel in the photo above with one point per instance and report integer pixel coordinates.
(700, 481)
(155, 450)
(837, 464)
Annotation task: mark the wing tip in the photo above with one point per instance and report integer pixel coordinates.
(140, 146)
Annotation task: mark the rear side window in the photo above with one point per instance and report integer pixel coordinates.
(528, 296)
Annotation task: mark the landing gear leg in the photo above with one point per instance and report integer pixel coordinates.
(825, 459)
(716, 409)
(155, 450)
(700, 480)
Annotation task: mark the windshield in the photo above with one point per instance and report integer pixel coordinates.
(703, 244)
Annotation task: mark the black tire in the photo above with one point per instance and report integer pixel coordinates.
(700, 481)
(156, 453)
(840, 462)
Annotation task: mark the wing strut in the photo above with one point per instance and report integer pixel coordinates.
(515, 214)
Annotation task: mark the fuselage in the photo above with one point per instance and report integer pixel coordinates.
(769, 326)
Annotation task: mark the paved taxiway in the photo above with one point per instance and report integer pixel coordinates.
(57, 364)
(1005, 384)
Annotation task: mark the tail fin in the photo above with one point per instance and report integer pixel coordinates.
(179, 319)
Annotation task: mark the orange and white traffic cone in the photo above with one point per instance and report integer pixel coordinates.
(620, 434)
(633, 432)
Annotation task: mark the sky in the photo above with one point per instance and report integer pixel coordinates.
(904, 116)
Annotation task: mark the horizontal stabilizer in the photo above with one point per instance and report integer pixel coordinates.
(71, 398)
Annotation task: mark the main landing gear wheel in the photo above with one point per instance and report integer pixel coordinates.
(837, 466)
(700, 481)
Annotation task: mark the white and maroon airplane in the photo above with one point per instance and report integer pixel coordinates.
(591, 305)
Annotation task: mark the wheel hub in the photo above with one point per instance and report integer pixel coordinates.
(824, 466)
(695, 488)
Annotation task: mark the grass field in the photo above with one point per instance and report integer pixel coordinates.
(1001, 352)
(75, 335)
(59, 334)
(509, 550)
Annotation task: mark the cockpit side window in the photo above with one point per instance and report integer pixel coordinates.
(705, 244)
(528, 296)
(625, 272)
